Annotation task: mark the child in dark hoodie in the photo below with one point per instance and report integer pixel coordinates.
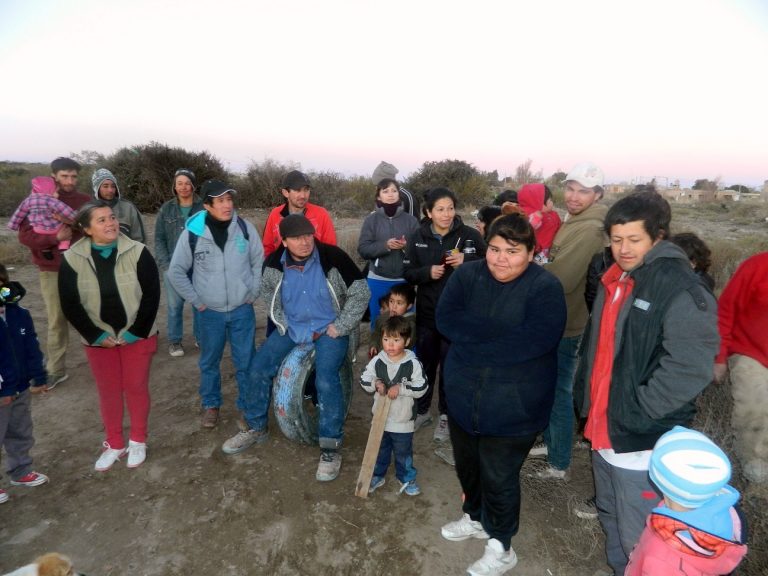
(20, 362)
(697, 530)
(536, 201)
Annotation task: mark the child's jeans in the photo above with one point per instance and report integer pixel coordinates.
(401, 444)
(16, 433)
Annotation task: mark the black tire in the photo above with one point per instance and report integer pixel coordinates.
(295, 399)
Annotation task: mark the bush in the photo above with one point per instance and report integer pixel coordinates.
(145, 173)
(15, 183)
(728, 254)
(472, 187)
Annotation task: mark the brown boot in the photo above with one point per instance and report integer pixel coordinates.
(210, 417)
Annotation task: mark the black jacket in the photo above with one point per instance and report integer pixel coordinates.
(425, 250)
(665, 346)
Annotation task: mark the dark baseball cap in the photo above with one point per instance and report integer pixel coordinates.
(295, 180)
(216, 188)
(295, 225)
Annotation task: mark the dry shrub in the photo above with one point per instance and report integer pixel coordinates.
(728, 254)
(714, 419)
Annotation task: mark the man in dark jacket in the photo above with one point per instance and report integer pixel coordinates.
(649, 352)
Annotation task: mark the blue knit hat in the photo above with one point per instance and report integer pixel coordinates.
(688, 467)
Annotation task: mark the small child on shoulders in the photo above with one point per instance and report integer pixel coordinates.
(698, 528)
(396, 372)
(45, 212)
(20, 362)
(400, 299)
(537, 203)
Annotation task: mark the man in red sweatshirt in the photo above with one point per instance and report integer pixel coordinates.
(296, 189)
(46, 256)
(742, 321)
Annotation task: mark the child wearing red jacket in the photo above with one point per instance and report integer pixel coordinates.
(697, 530)
(536, 201)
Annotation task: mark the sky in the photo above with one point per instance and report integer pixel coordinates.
(672, 89)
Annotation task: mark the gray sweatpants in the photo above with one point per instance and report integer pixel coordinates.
(16, 434)
(624, 500)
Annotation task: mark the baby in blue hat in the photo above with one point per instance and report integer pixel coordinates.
(698, 528)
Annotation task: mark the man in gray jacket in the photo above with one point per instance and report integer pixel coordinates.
(216, 266)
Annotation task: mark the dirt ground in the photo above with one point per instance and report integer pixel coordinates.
(190, 509)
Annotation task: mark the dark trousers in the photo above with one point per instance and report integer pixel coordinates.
(431, 349)
(16, 433)
(399, 444)
(488, 468)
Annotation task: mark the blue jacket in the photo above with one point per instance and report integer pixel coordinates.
(20, 357)
(501, 367)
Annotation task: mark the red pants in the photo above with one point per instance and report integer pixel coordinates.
(123, 371)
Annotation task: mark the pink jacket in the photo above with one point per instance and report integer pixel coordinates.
(656, 556)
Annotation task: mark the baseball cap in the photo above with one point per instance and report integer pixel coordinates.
(295, 180)
(216, 188)
(587, 174)
(295, 225)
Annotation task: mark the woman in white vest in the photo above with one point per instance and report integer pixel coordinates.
(110, 291)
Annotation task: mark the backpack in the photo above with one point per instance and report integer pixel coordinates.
(193, 243)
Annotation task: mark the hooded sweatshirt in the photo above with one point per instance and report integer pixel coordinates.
(126, 212)
(578, 239)
(20, 357)
(222, 280)
(408, 374)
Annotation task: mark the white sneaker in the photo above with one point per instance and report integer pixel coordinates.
(137, 453)
(108, 457)
(552, 473)
(421, 421)
(495, 560)
(539, 450)
(175, 349)
(441, 430)
(463, 529)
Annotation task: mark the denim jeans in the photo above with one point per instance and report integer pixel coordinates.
(239, 327)
(176, 313)
(559, 433)
(329, 356)
(401, 445)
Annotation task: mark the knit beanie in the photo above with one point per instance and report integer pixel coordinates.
(98, 177)
(688, 467)
(184, 172)
(384, 170)
(44, 185)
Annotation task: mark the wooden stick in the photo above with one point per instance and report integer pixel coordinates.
(372, 447)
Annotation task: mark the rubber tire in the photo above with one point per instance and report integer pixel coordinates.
(290, 388)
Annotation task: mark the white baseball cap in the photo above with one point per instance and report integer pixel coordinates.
(587, 174)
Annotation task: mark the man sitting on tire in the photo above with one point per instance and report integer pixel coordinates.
(314, 294)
